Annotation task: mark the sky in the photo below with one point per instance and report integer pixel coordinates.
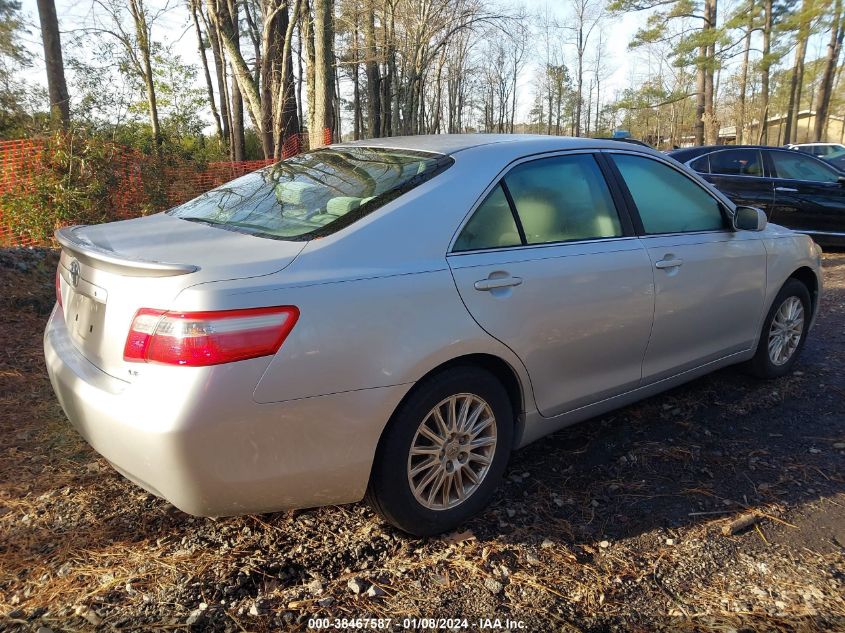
(174, 29)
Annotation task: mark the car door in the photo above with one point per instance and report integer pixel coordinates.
(547, 265)
(709, 279)
(809, 196)
(740, 175)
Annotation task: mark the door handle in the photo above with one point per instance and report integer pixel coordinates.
(786, 189)
(497, 282)
(668, 263)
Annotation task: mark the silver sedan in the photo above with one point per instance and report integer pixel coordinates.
(391, 318)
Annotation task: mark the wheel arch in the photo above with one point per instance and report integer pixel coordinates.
(504, 372)
(807, 277)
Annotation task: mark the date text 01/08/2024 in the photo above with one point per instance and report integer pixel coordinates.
(491, 624)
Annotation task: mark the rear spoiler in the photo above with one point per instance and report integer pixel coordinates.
(89, 253)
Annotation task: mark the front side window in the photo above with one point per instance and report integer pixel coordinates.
(796, 167)
(736, 162)
(563, 198)
(668, 201)
(313, 194)
(491, 226)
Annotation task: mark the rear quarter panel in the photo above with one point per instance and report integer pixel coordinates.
(374, 332)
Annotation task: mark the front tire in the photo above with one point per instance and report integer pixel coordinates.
(443, 453)
(784, 331)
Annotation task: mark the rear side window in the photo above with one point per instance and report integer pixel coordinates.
(562, 199)
(491, 226)
(701, 165)
(736, 162)
(313, 194)
(668, 201)
(558, 199)
(794, 166)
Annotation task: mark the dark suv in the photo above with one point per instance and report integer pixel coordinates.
(795, 189)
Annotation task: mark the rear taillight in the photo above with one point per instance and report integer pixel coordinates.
(58, 286)
(207, 338)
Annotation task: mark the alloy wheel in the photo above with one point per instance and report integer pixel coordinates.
(452, 451)
(786, 331)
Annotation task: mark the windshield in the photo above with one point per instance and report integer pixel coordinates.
(313, 194)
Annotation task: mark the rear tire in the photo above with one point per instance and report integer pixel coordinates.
(430, 475)
(784, 332)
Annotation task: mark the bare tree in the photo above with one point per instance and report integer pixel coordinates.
(194, 8)
(586, 16)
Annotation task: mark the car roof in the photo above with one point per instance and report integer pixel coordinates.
(450, 144)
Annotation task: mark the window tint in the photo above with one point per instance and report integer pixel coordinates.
(701, 165)
(491, 226)
(736, 162)
(563, 198)
(313, 194)
(668, 201)
(796, 167)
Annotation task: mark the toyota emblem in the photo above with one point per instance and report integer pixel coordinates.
(74, 273)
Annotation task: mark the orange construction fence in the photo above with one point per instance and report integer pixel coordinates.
(21, 160)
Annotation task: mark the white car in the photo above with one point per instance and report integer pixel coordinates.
(822, 150)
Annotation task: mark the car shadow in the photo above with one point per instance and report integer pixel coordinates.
(713, 448)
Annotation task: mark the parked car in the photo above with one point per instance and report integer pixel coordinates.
(392, 317)
(833, 153)
(795, 189)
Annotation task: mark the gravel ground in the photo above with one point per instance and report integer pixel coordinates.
(615, 524)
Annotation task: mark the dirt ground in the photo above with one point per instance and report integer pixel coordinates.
(615, 524)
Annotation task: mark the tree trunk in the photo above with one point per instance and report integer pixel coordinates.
(373, 75)
(711, 125)
(765, 68)
(322, 126)
(700, 99)
(220, 72)
(834, 46)
(307, 30)
(142, 35)
(274, 30)
(56, 85)
(743, 82)
(579, 91)
(299, 73)
(355, 61)
(285, 118)
(224, 14)
(791, 127)
(206, 73)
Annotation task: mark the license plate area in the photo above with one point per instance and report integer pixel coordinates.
(86, 311)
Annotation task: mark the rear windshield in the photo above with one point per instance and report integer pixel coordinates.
(313, 194)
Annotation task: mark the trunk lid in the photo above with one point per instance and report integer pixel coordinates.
(107, 272)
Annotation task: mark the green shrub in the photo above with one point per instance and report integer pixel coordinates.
(70, 183)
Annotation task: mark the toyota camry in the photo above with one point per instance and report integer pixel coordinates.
(391, 318)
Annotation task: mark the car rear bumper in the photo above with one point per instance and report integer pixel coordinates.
(195, 436)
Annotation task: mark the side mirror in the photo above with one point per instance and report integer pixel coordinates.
(841, 181)
(749, 219)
